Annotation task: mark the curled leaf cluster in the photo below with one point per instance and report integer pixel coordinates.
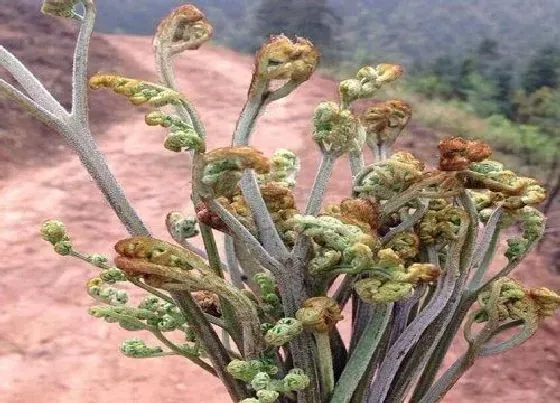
(513, 192)
(97, 289)
(368, 80)
(137, 348)
(268, 389)
(319, 314)
(137, 91)
(283, 331)
(269, 294)
(181, 227)
(182, 136)
(54, 232)
(157, 252)
(533, 223)
(515, 302)
(440, 223)
(390, 281)
(186, 28)
(337, 131)
(336, 243)
(283, 59)
(284, 167)
(280, 203)
(457, 153)
(224, 167)
(384, 121)
(384, 180)
(247, 370)
(362, 213)
(405, 244)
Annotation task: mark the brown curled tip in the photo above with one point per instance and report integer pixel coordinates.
(132, 248)
(280, 58)
(457, 153)
(138, 267)
(387, 72)
(132, 266)
(363, 210)
(278, 196)
(208, 217)
(452, 145)
(453, 163)
(376, 118)
(478, 151)
(185, 28)
(246, 157)
(319, 314)
(401, 112)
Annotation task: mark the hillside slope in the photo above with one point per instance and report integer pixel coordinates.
(52, 351)
(45, 45)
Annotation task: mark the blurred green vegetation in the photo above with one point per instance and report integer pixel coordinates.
(479, 95)
(477, 68)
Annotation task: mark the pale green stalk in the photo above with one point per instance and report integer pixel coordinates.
(320, 184)
(324, 359)
(361, 356)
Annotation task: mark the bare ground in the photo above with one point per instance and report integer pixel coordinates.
(52, 351)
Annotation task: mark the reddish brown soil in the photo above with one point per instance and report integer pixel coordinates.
(52, 351)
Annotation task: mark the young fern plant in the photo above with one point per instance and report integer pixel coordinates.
(412, 247)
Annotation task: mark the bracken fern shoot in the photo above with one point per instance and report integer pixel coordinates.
(410, 248)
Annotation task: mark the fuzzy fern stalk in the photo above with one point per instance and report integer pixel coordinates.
(411, 246)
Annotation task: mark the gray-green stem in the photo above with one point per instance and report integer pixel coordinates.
(397, 353)
(164, 67)
(81, 140)
(249, 115)
(216, 351)
(33, 87)
(269, 237)
(320, 184)
(485, 250)
(356, 160)
(361, 356)
(74, 128)
(36, 110)
(202, 364)
(243, 235)
(187, 112)
(233, 264)
(324, 357)
(80, 65)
